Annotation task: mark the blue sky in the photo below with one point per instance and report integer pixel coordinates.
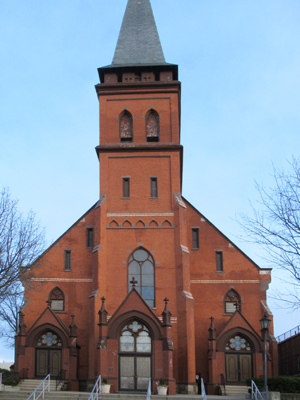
(239, 64)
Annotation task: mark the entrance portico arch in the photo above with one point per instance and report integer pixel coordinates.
(135, 356)
(239, 346)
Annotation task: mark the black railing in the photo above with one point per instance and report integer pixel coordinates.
(223, 384)
(288, 334)
(60, 377)
(23, 374)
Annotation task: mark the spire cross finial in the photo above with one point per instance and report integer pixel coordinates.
(48, 303)
(134, 282)
(166, 300)
(103, 299)
(212, 319)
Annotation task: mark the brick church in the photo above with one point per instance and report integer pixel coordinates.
(143, 285)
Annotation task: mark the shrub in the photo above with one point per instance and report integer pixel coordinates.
(282, 384)
(10, 378)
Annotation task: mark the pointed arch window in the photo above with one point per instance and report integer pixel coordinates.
(141, 267)
(125, 126)
(152, 126)
(238, 343)
(49, 339)
(57, 299)
(135, 338)
(232, 302)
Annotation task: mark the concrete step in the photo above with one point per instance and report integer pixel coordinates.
(235, 390)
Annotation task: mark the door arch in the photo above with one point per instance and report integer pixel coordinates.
(238, 359)
(48, 354)
(135, 356)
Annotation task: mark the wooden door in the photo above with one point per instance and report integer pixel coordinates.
(42, 362)
(245, 367)
(48, 361)
(232, 369)
(55, 362)
(238, 367)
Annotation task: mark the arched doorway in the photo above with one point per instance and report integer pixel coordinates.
(238, 359)
(48, 354)
(135, 356)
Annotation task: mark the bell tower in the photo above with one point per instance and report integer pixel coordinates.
(141, 177)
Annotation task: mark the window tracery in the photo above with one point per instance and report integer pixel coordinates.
(152, 126)
(238, 343)
(141, 267)
(125, 126)
(135, 337)
(49, 339)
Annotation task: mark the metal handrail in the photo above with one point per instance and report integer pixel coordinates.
(23, 374)
(59, 377)
(203, 393)
(43, 391)
(223, 383)
(255, 391)
(288, 334)
(96, 389)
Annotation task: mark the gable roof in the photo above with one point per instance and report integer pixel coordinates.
(229, 241)
(138, 41)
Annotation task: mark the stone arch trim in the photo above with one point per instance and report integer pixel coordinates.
(114, 327)
(32, 337)
(253, 339)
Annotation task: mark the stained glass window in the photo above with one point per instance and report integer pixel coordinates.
(238, 343)
(135, 337)
(49, 339)
(141, 267)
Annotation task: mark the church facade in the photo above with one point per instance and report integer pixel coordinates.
(143, 285)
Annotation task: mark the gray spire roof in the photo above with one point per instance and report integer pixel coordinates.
(138, 41)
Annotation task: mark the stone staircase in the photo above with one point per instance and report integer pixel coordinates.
(235, 391)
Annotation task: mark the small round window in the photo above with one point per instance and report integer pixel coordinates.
(238, 343)
(49, 339)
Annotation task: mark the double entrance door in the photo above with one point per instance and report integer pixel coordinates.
(135, 372)
(238, 367)
(48, 361)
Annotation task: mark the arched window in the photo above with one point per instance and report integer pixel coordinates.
(135, 338)
(125, 126)
(152, 126)
(141, 267)
(57, 299)
(232, 302)
(49, 339)
(238, 343)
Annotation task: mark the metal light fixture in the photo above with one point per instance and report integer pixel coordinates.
(265, 323)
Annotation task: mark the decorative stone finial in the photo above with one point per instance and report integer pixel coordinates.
(48, 303)
(102, 313)
(73, 327)
(166, 315)
(212, 330)
(22, 326)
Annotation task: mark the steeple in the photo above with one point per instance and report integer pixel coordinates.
(138, 41)
(138, 49)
